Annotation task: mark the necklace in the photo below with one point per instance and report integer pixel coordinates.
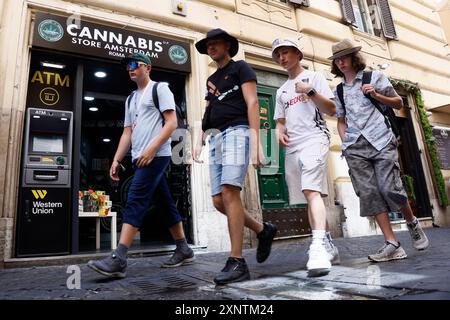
(138, 105)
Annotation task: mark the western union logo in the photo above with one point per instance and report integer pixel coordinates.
(39, 194)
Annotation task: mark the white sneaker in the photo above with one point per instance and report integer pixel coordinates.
(319, 260)
(418, 237)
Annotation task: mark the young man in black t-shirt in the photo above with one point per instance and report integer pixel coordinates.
(232, 113)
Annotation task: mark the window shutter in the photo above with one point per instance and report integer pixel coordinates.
(304, 3)
(386, 19)
(347, 12)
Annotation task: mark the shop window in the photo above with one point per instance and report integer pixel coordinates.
(304, 3)
(370, 16)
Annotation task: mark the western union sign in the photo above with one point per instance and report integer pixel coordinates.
(39, 194)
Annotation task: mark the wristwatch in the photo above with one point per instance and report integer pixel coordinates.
(311, 92)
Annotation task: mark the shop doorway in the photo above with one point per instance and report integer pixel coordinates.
(412, 167)
(69, 82)
(105, 89)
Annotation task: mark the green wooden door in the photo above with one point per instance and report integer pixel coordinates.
(272, 186)
(273, 191)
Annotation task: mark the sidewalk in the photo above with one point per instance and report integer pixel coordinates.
(423, 275)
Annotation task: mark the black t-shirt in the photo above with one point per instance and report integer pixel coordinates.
(227, 106)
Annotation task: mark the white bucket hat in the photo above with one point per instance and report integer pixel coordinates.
(285, 42)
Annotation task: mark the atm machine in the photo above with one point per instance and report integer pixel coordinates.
(45, 202)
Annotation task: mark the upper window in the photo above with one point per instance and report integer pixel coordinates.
(367, 16)
(304, 3)
(370, 16)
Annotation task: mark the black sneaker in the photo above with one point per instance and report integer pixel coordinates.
(235, 270)
(111, 266)
(265, 238)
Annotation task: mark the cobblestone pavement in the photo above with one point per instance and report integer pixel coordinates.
(423, 275)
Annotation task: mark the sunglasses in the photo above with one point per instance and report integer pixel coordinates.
(133, 65)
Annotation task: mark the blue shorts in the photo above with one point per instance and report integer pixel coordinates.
(149, 186)
(228, 158)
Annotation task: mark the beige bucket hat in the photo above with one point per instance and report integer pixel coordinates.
(343, 48)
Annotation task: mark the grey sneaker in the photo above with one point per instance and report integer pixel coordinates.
(332, 250)
(418, 237)
(388, 252)
(111, 266)
(178, 259)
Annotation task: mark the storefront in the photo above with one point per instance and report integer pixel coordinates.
(64, 56)
(75, 67)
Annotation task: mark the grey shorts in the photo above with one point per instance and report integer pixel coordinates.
(376, 177)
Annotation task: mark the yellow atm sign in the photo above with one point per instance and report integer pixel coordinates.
(49, 87)
(51, 79)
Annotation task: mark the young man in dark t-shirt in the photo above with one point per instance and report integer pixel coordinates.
(232, 112)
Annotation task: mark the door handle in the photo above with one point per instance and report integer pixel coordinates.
(266, 125)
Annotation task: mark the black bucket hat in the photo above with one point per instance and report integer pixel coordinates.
(221, 34)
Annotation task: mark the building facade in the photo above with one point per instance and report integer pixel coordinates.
(405, 39)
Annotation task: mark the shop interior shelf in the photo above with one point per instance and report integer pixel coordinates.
(113, 216)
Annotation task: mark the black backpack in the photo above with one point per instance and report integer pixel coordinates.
(390, 119)
(181, 119)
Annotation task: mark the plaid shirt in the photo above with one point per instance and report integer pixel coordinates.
(361, 115)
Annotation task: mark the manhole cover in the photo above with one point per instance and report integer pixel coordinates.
(155, 285)
(177, 282)
(148, 286)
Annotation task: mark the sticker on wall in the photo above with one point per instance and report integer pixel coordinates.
(50, 30)
(178, 54)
